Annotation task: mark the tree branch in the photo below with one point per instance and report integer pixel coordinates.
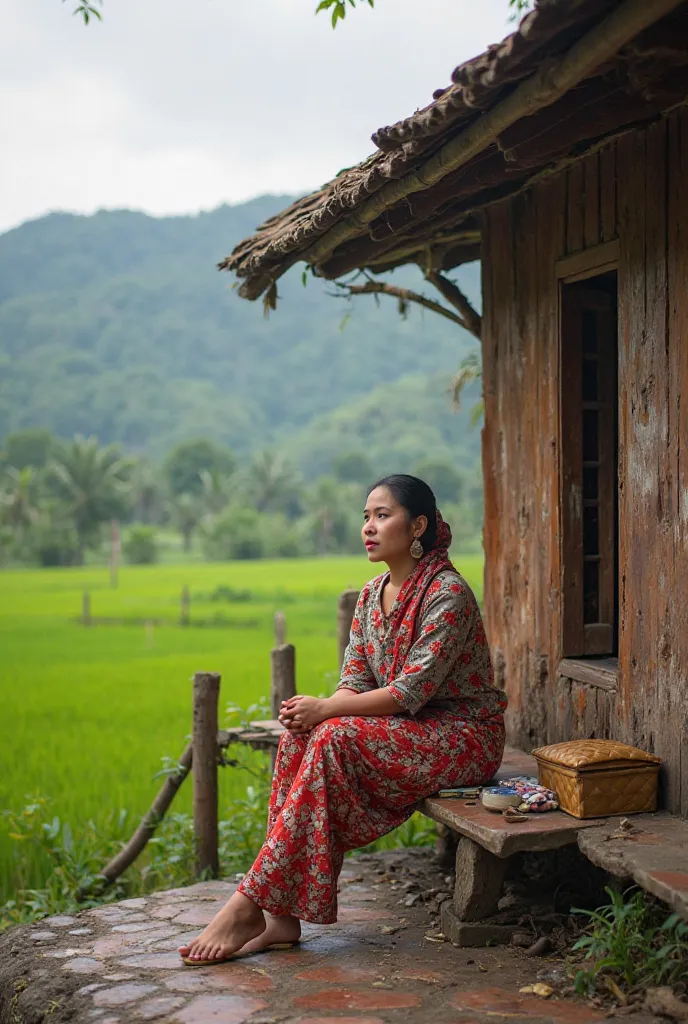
(403, 296)
(471, 319)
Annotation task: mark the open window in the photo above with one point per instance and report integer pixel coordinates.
(589, 461)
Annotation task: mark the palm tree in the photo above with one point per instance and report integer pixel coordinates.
(186, 512)
(94, 483)
(273, 484)
(217, 490)
(18, 500)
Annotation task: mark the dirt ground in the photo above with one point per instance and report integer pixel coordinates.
(384, 961)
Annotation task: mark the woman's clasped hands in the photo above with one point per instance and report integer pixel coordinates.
(302, 713)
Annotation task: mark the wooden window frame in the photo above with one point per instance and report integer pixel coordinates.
(595, 666)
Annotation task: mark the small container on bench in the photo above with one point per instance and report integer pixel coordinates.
(597, 778)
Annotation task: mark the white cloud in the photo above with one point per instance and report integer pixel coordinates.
(178, 105)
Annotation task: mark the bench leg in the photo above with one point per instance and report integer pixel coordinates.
(479, 878)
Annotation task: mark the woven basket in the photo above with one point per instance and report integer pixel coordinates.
(596, 778)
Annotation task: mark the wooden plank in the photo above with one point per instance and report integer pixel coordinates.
(551, 228)
(589, 262)
(608, 183)
(676, 642)
(600, 672)
(497, 269)
(591, 213)
(571, 435)
(575, 207)
(634, 656)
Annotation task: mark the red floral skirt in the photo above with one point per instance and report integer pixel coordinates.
(350, 781)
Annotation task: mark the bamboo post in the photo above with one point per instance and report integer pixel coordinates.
(185, 605)
(150, 820)
(206, 693)
(345, 614)
(86, 609)
(282, 681)
(280, 629)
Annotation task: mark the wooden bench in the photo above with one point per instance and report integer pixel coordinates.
(485, 845)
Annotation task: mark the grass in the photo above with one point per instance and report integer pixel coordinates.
(88, 713)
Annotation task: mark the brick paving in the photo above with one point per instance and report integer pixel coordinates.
(118, 964)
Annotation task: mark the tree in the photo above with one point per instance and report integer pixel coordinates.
(217, 490)
(273, 484)
(31, 447)
(185, 463)
(186, 512)
(18, 499)
(337, 8)
(94, 485)
(445, 481)
(353, 468)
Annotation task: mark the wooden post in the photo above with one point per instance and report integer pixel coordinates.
(86, 609)
(206, 693)
(280, 629)
(345, 613)
(282, 676)
(184, 608)
(114, 554)
(282, 681)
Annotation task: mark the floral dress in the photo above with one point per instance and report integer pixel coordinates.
(353, 779)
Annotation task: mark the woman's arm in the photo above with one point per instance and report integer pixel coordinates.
(301, 713)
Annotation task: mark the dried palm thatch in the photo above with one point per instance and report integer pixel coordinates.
(573, 73)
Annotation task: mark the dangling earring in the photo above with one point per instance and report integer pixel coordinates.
(416, 549)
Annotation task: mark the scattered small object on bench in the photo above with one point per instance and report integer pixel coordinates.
(533, 796)
(512, 816)
(498, 798)
(466, 791)
(626, 830)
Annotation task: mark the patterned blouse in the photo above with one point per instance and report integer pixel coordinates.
(448, 666)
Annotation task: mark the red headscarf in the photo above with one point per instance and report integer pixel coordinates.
(405, 613)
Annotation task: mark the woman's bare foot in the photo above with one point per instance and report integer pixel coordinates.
(239, 921)
(284, 928)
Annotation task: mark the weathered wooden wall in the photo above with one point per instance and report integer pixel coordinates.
(635, 189)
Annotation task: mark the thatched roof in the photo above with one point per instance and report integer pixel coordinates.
(572, 74)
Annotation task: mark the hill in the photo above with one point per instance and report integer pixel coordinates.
(119, 325)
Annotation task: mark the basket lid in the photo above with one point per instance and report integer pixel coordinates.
(582, 754)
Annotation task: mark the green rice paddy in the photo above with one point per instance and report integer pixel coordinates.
(87, 713)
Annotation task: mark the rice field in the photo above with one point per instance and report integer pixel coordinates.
(87, 713)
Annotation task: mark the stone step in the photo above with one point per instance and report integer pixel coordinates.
(651, 851)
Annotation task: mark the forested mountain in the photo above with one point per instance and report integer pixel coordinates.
(119, 325)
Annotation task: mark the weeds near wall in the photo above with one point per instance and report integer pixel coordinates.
(630, 946)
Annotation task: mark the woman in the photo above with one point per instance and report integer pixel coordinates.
(415, 711)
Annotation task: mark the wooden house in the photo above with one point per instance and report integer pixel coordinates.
(559, 158)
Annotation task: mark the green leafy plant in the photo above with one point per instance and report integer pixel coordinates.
(338, 8)
(140, 545)
(88, 10)
(629, 947)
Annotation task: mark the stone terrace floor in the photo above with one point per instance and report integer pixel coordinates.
(117, 964)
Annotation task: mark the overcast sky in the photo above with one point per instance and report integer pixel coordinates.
(175, 106)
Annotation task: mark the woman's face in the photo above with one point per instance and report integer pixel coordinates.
(387, 530)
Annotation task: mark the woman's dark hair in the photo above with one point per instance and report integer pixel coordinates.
(417, 498)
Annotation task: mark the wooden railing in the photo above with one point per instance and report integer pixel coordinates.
(203, 756)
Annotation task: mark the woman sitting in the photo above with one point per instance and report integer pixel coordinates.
(415, 711)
